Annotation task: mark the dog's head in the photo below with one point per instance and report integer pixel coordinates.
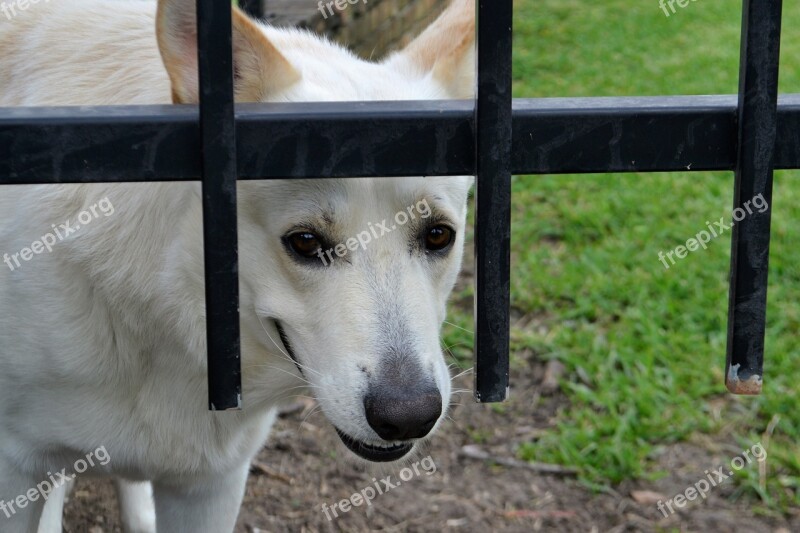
(344, 282)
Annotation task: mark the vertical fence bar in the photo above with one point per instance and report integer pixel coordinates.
(493, 200)
(220, 236)
(758, 98)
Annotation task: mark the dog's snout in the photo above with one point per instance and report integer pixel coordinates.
(403, 414)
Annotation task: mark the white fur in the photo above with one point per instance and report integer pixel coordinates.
(102, 341)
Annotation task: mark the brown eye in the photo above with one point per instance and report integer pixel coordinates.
(438, 238)
(305, 244)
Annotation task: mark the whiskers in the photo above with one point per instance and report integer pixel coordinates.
(279, 369)
(465, 372)
(316, 409)
(283, 352)
(457, 364)
(459, 327)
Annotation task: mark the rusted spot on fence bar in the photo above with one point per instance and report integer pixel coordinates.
(737, 385)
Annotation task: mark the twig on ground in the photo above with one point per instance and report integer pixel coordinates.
(471, 451)
(261, 468)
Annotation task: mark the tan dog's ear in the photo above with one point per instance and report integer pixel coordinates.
(447, 49)
(259, 67)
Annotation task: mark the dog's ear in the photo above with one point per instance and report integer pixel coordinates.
(259, 68)
(446, 49)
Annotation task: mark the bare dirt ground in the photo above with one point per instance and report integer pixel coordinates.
(303, 466)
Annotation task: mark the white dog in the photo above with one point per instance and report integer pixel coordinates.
(102, 316)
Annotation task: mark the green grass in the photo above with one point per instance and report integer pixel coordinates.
(645, 346)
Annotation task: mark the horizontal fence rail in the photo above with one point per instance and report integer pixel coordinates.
(319, 140)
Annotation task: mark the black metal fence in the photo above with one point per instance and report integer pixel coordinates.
(490, 138)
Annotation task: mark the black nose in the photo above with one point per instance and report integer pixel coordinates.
(403, 414)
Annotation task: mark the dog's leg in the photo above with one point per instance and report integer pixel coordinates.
(136, 507)
(53, 513)
(21, 503)
(210, 505)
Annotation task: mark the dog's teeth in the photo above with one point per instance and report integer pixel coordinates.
(384, 445)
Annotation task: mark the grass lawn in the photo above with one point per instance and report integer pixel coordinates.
(644, 346)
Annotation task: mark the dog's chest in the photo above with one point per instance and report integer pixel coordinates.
(206, 443)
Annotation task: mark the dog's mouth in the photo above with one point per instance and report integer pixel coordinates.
(287, 345)
(374, 452)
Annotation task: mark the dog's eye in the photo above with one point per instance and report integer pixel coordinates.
(439, 238)
(305, 244)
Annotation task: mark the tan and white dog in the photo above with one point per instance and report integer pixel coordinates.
(102, 319)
